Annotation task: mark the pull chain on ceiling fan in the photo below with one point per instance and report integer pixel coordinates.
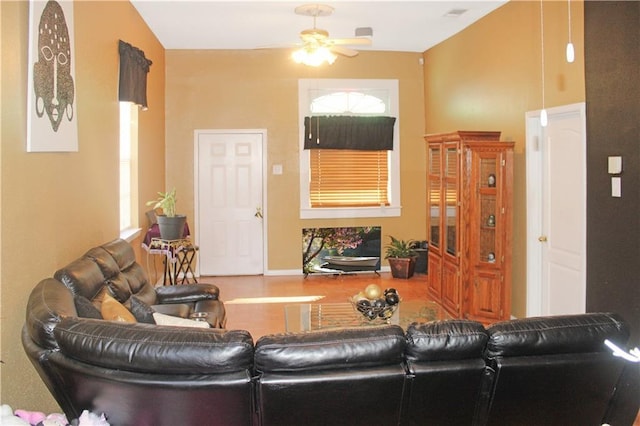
(317, 47)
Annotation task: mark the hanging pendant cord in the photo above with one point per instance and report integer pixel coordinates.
(542, 48)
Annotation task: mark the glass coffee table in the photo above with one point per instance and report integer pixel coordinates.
(317, 316)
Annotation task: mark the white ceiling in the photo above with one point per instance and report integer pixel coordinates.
(410, 26)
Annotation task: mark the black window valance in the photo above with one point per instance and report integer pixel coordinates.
(349, 132)
(134, 68)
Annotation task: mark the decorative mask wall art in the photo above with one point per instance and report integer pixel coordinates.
(51, 118)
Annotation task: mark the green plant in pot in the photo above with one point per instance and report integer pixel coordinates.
(401, 257)
(171, 225)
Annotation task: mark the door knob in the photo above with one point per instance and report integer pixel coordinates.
(258, 212)
(542, 239)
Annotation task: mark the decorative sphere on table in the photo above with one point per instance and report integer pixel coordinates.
(373, 291)
(392, 298)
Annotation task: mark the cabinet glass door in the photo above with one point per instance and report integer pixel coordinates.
(434, 196)
(489, 209)
(451, 200)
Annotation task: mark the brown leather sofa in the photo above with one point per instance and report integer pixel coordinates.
(547, 370)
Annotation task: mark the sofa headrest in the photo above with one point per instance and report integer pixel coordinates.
(105, 261)
(48, 303)
(556, 335)
(152, 348)
(445, 340)
(82, 276)
(122, 253)
(330, 349)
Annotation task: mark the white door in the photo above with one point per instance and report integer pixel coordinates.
(556, 212)
(228, 201)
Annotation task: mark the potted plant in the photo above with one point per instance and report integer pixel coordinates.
(401, 257)
(170, 224)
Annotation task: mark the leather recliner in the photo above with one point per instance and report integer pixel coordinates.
(140, 374)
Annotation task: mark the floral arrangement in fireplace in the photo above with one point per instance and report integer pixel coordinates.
(341, 249)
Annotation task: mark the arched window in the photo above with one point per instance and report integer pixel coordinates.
(345, 182)
(351, 103)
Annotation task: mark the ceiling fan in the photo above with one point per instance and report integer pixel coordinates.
(317, 46)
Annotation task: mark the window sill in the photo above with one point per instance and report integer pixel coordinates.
(345, 212)
(130, 234)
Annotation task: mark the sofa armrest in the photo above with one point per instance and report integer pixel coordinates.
(152, 348)
(187, 293)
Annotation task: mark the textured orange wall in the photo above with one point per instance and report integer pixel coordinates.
(488, 76)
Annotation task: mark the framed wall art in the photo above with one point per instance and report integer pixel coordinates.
(51, 116)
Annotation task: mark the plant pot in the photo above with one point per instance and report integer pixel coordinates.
(171, 228)
(402, 267)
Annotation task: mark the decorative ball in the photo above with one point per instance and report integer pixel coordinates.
(363, 305)
(373, 291)
(379, 303)
(371, 314)
(392, 298)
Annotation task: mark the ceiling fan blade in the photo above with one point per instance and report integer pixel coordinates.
(357, 41)
(344, 51)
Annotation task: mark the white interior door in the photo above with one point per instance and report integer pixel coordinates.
(229, 201)
(556, 212)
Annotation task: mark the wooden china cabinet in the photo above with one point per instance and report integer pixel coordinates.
(469, 210)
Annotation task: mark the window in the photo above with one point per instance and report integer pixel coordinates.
(128, 168)
(337, 183)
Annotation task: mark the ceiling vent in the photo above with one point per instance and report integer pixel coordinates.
(454, 13)
(364, 32)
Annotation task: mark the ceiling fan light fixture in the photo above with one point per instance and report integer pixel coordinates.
(313, 57)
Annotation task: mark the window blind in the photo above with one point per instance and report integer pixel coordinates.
(335, 182)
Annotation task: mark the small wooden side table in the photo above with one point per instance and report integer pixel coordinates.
(179, 256)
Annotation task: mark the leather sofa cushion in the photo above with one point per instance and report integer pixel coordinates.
(105, 261)
(122, 284)
(330, 349)
(137, 279)
(445, 340)
(555, 335)
(152, 348)
(122, 253)
(82, 276)
(119, 288)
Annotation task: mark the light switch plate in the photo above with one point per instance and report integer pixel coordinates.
(616, 187)
(277, 169)
(615, 165)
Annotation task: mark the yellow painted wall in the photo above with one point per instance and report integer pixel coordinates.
(258, 89)
(55, 206)
(488, 76)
